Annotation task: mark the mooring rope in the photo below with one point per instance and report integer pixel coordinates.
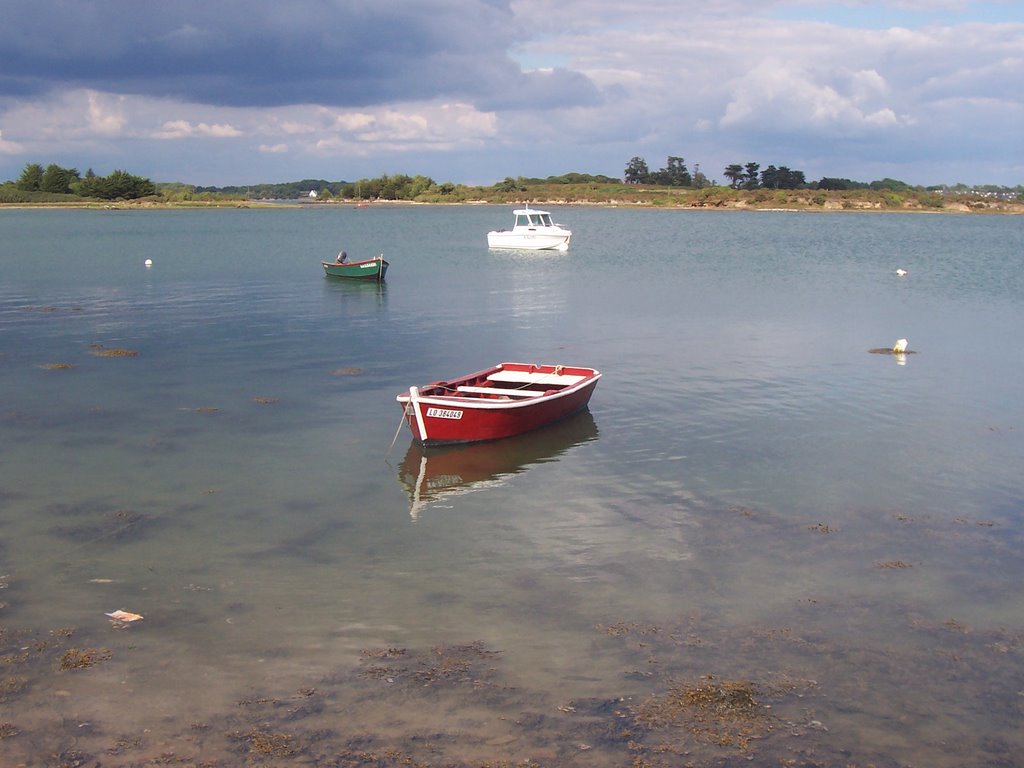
(395, 438)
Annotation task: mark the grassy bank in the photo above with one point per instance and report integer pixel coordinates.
(763, 199)
(640, 196)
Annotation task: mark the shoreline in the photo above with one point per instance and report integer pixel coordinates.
(798, 204)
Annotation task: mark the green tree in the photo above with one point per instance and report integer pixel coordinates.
(58, 180)
(637, 171)
(700, 181)
(782, 178)
(674, 174)
(391, 187)
(840, 184)
(370, 189)
(891, 184)
(734, 173)
(751, 176)
(94, 186)
(419, 185)
(834, 184)
(31, 178)
(770, 177)
(509, 185)
(118, 184)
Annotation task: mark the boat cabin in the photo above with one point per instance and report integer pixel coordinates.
(533, 219)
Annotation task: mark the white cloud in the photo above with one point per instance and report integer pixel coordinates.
(867, 85)
(354, 122)
(174, 129)
(882, 118)
(433, 126)
(295, 128)
(105, 117)
(806, 83)
(183, 129)
(65, 119)
(779, 94)
(9, 147)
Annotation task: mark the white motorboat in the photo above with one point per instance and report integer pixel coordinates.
(533, 231)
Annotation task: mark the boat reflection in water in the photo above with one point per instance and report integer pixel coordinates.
(431, 475)
(354, 289)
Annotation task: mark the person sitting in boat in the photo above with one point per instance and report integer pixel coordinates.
(342, 257)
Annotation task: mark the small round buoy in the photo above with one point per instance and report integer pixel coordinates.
(149, 262)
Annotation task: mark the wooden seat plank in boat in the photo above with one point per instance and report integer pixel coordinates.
(535, 377)
(499, 391)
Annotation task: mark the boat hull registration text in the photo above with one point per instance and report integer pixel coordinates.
(443, 413)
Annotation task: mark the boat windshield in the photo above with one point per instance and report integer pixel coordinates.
(533, 220)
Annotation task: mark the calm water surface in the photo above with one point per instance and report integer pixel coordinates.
(761, 541)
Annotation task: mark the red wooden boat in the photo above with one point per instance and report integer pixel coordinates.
(506, 400)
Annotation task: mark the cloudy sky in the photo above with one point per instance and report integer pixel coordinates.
(219, 92)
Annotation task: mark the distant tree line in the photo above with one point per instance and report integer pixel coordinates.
(56, 180)
(674, 174)
(397, 187)
(282, 191)
(388, 187)
(750, 176)
(886, 185)
(522, 183)
(54, 184)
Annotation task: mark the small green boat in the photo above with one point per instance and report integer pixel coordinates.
(370, 269)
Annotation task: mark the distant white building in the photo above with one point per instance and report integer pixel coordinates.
(312, 194)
